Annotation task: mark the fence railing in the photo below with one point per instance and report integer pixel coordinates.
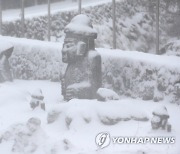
(79, 4)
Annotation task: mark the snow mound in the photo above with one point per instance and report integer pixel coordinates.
(104, 94)
(78, 113)
(31, 138)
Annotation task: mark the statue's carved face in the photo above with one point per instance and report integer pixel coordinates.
(72, 50)
(69, 51)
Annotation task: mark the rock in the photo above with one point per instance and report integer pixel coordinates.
(53, 116)
(143, 118)
(104, 94)
(33, 124)
(112, 121)
(160, 118)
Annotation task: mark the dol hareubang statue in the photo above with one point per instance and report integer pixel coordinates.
(6, 50)
(83, 73)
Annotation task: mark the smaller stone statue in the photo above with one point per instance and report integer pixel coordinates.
(160, 119)
(82, 78)
(37, 100)
(6, 50)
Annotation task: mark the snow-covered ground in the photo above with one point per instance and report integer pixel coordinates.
(79, 122)
(14, 14)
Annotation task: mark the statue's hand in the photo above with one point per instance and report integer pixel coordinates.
(71, 93)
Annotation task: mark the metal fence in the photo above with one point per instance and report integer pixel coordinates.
(79, 7)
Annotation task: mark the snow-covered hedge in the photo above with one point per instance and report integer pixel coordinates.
(133, 74)
(141, 75)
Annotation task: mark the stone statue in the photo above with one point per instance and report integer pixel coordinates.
(5, 52)
(160, 119)
(82, 77)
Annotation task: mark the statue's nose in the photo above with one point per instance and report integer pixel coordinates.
(64, 51)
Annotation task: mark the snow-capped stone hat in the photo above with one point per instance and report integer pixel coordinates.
(161, 111)
(80, 26)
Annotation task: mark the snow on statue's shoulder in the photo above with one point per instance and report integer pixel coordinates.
(6, 48)
(81, 24)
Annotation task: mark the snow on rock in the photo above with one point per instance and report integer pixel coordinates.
(24, 137)
(53, 116)
(104, 94)
(31, 138)
(81, 25)
(76, 113)
(33, 124)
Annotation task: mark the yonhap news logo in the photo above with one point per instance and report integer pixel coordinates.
(104, 139)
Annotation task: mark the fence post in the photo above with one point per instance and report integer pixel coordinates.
(114, 23)
(79, 6)
(157, 27)
(22, 18)
(0, 17)
(49, 20)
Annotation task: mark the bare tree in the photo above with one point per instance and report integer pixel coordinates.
(22, 19)
(35, 2)
(49, 20)
(157, 27)
(114, 23)
(79, 6)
